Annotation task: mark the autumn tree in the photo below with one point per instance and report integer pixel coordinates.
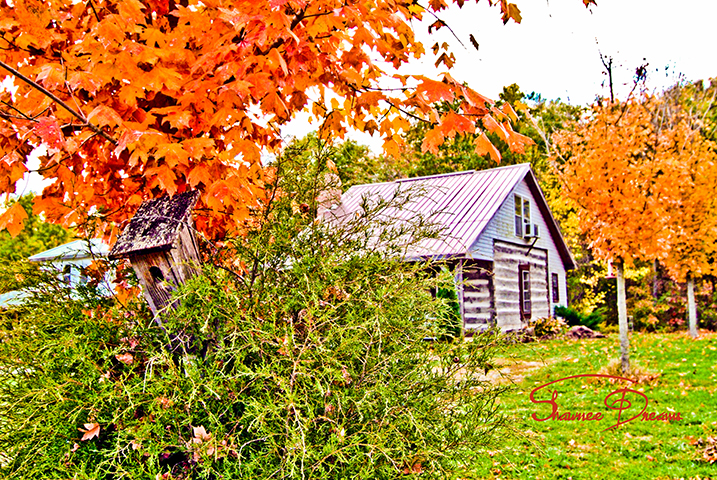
(135, 99)
(690, 185)
(628, 167)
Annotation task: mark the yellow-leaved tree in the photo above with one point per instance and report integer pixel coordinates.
(642, 175)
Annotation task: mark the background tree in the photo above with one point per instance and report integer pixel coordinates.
(135, 99)
(689, 188)
(608, 172)
(619, 167)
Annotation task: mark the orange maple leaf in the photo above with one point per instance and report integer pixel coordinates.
(483, 146)
(432, 140)
(49, 132)
(435, 91)
(13, 219)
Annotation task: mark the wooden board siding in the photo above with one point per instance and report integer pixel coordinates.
(156, 293)
(502, 228)
(478, 306)
(507, 258)
(185, 253)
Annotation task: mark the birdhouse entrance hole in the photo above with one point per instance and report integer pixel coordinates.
(156, 273)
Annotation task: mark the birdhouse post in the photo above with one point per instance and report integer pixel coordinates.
(161, 246)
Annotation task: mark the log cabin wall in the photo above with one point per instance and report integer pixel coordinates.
(508, 257)
(478, 306)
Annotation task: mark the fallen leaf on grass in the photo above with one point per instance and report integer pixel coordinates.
(125, 358)
(91, 431)
(200, 434)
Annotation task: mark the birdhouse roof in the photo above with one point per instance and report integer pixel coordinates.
(156, 225)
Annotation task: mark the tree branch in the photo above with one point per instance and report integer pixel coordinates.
(444, 24)
(46, 92)
(24, 115)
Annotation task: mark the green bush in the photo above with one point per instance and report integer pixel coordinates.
(451, 321)
(572, 317)
(308, 362)
(548, 327)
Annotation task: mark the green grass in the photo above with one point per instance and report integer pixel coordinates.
(679, 375)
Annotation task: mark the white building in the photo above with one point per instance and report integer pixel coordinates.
(497, 232)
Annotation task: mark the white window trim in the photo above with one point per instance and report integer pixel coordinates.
(524, 221)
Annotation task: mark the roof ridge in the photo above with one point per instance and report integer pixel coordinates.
(437, 175)
(463, 172)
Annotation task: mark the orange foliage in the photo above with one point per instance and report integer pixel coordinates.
(138, 98)
(645, 182)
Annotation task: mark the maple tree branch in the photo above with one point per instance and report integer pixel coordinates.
(9, 116)
(443, 24)
(92, 6)
(2, 35)
(24, 115)
(380, 89)
(406, 112)
(46, 92)
(608, 67)
(69, 89)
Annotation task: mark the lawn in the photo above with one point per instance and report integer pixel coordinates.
(675, 373)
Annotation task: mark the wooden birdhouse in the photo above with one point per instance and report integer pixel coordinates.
(161, 246)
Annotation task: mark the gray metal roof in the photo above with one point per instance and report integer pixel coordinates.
(461, 204)
(73, 251)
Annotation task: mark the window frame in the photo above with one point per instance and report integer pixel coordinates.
(524, 296)
(555, 284)
(67, 274)
(522, 214)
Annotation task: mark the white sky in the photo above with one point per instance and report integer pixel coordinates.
(555, 50)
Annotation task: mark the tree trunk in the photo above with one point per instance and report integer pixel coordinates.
(692, 305)
(622, 318)
(655, 279)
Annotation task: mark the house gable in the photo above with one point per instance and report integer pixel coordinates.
(498, 242)
(502, 226)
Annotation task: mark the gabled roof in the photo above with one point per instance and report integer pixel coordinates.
(156, 225)
(461, 204)
(73, 250)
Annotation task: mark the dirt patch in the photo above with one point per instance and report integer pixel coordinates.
(511, 371)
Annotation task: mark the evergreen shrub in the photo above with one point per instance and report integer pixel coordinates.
(303, 357)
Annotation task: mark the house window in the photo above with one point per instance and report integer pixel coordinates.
(524, 290)
(67, 274)
(556, 287)
(522, 215)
